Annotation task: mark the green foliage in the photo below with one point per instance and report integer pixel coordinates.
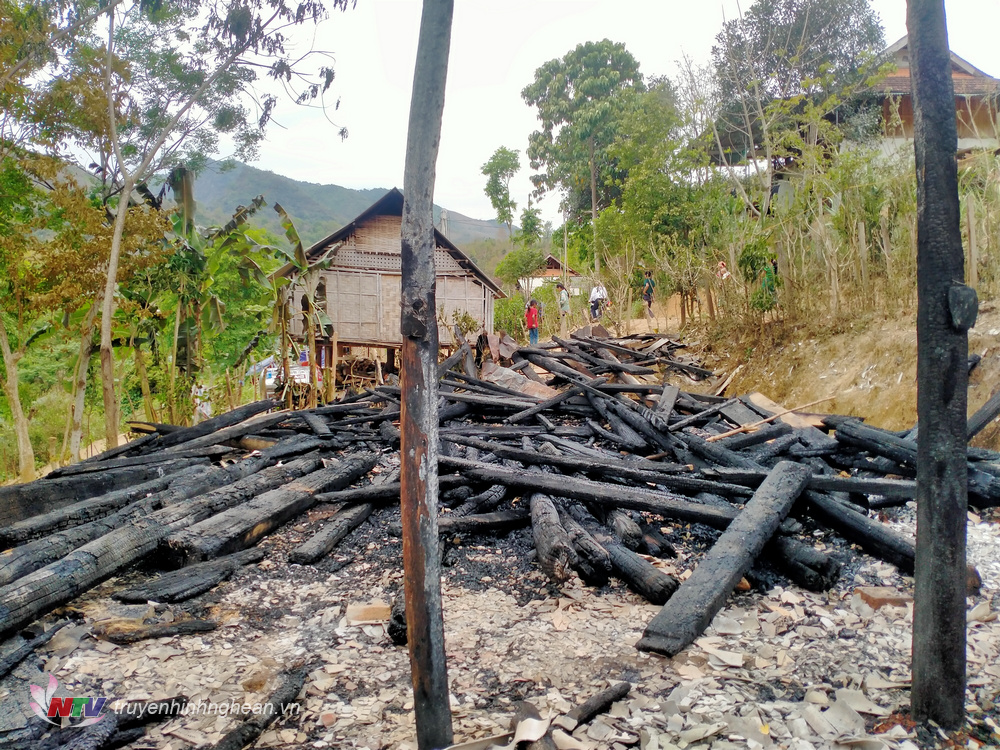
(531, 230)
(508, 316)
(518, 265)
(579, 98)
(499, 170)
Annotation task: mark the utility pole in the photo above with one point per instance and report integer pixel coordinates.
(946, 309)
(418, 411)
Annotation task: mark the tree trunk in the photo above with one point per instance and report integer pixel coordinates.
(80, 380)
(147, 395)
(111, 415)
(25, 453)
(593, 205)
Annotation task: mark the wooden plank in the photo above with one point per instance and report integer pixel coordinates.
(688, 612)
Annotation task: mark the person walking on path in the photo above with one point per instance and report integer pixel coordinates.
(598, 301)
(563, 309)
(531, 320)
(648, 285)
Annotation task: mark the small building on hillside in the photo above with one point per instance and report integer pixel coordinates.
(977, 96)
(360, 291)
(551, 273)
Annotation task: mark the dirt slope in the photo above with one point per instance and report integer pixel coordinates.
(869, 368)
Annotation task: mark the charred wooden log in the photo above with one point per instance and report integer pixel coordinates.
(556, 555)
(59, 581)
(802, 563)
(215, 424)
(873, 537)
(640, 575)
(594, 706)
(187, 583)
(10, 661)
(612, 495)
(483, 523)
(21, 501)
(323, 542)
(484, 502)
(210, 452)
(85, 511)
(702, 595)
(593, 561)
(280, 700)
(625, 529)
(656, 544)
(124, 632)
(243, 526)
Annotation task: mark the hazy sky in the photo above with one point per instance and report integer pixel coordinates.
(496, 47)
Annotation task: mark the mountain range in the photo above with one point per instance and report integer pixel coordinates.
(317, 210)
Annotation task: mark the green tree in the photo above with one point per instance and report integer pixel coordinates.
(785, 65)
(532, 227)
(499, 170)
(579, 98)
(175, 77)
(519, 265)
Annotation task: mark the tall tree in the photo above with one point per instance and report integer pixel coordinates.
(579, 98)
(175, 77)
(775, 60)
(501, 167)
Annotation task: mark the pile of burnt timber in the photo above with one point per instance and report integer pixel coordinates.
(582, 440)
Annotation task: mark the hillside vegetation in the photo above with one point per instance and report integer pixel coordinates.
(318, 210)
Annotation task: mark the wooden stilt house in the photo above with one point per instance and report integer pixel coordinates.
(360, 291)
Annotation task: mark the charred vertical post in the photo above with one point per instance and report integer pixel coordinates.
(946, 309)
(418, 411)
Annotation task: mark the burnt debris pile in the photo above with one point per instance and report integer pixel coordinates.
(584, 439)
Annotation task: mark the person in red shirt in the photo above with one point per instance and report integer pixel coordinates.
(531, 320)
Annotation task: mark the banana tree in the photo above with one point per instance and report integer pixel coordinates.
(304, 275)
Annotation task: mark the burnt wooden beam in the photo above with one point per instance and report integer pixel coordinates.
(283, 696)
(701, 596)
(668, 397)
(419, 418)
(946, 309)
(503, 520)
(983, 416)
(187, 583)
(209, 452)
(21, 501)
(904, 488)
(210, 426)
(84, 511)
(702, 415)
(244, 525)
(57, 582)
(556, 555)
(640, 575)
(321, 543)
(124, 632)
(594, 706)
(614, 495)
